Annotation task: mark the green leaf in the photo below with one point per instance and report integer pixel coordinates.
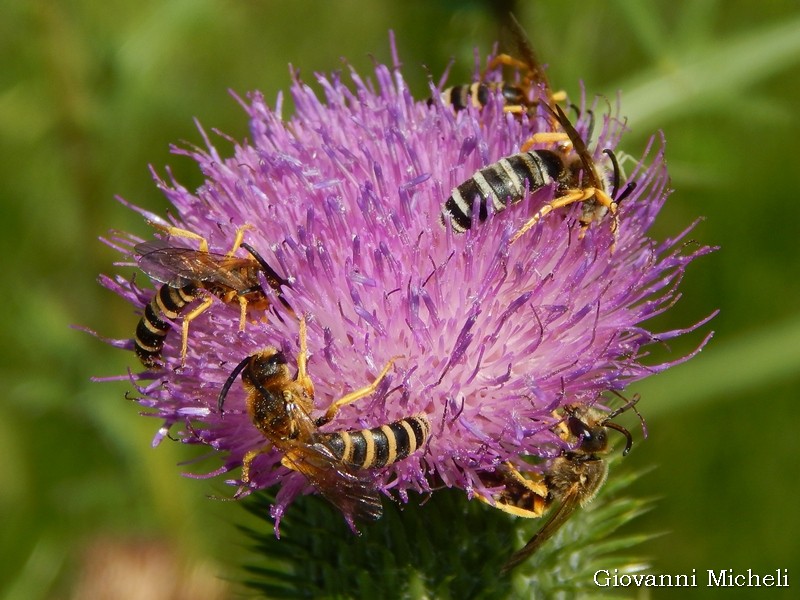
(701, 78)
(444, 547)
(768, 355)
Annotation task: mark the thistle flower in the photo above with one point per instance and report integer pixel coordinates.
(344, 200)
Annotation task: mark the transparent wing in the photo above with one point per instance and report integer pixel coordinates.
(524, 49)
(560, 515)
(177, 266)
(352, 493)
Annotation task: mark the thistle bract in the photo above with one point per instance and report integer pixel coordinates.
(344, 200)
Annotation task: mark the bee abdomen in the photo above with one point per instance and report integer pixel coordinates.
(379, 446)
(477, 94)
(505, 182)
(152, 328)
(462, 96)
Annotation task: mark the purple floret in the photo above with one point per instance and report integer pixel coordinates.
(345, 200)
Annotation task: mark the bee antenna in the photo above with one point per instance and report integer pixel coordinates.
(273, 277)
(615, 184)
(627, 191)
(629, 405)
(628, 188)
(223, 393)
(275, 281)
(623, 431)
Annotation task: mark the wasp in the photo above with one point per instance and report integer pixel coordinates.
(188, 275)
(571, 170)
(280, 407)
(518, 98)
(569, 482)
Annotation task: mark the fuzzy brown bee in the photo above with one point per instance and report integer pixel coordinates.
(189, 275)
(280, 407)
(568, 482)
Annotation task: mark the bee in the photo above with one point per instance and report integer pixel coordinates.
(188, 275)
(280, 408)
(569, 482)
(571, 170)
(518, 98)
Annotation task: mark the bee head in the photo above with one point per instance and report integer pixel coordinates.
(264, 366)
(256, 370)
(593, 438)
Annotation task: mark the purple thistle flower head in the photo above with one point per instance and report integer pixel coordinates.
(484, 337)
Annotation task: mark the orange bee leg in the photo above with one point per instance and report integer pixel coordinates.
(242, 312)
(550, 138)
(239, 238)
(196, 312)
(182, 233)
(571, 197)
(520, 496)
(359, 393)
(566, 200)
(603, 199)
(506, 60)
(191, 235)
(302, 377)
(249, 457)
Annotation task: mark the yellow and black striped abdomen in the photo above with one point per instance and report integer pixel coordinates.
(505, 181)
(477, 95)
(168, 303)
(379, 446)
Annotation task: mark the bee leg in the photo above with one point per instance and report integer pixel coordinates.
(506, 60)
(537, 487)
(248, 459)
(302, 361)
(571, 197)
(603, 199)
(533, 76)
(238, 238)
(242, 312)
(520, 496)
(291, 459)
(566, 200)
(358, 394)
(196, 312)
(183, 233)
(191, 235)
(550, 138)
(533, 73)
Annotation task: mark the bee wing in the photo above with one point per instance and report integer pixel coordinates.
(176, 266)
(562, 512)
(523, 47)
(353, 494)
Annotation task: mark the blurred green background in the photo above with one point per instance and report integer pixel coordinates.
(91, 93)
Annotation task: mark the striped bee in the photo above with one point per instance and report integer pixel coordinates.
(569, 482)
(572, 172)
(280, 408)
(189, 275)
(518, 98)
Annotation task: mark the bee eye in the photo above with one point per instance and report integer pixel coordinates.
(277, 359)
(578, 428)
(595, 441)
(592, 439)
(268, 366)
